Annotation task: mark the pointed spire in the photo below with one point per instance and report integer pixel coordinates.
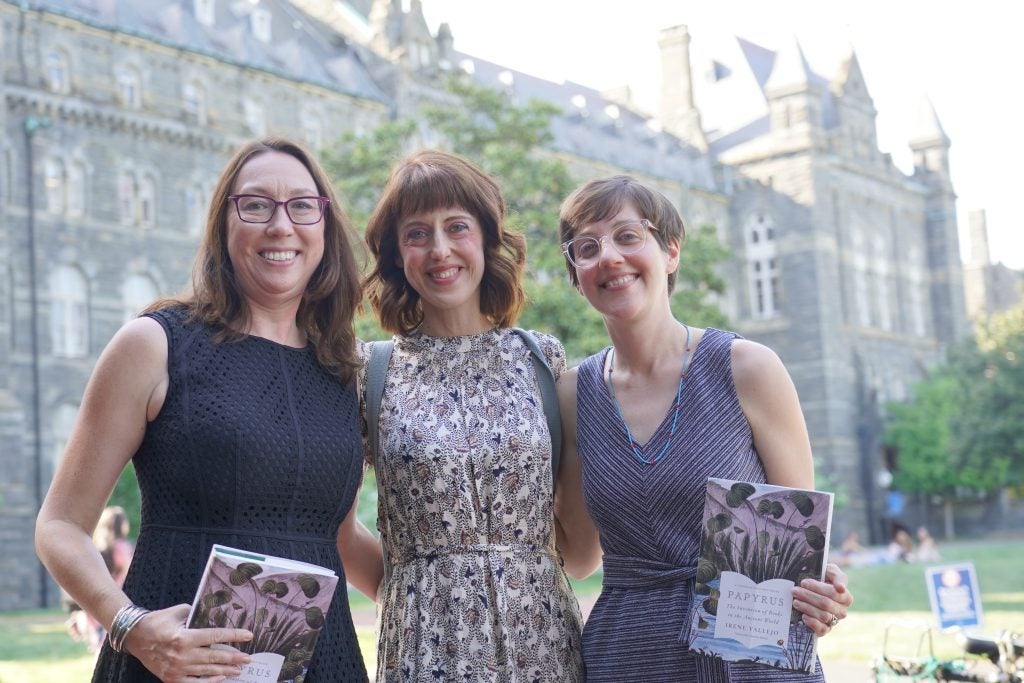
(927, 131)
(790, 70)
(850, 79)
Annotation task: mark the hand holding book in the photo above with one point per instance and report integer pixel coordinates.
(283, 603)
(757, 543)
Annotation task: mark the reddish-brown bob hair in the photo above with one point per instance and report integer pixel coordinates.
(426, 181)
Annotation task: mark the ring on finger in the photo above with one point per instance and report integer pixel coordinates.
(833, 621)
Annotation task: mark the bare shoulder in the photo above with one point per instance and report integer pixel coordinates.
(753, 362)
(141, 339)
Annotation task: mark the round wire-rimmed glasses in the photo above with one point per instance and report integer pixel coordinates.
(256, 208)
(628, 238)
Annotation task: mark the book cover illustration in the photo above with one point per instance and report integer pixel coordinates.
(757, 542)
(283, 602)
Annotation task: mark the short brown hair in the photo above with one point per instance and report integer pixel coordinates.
(601, 199)
(429, 180)
(332, 294)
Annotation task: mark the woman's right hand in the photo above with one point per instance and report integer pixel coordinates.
(174, 653)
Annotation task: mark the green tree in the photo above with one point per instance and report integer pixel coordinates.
(920, 430)
(697, 282)
(988, 425)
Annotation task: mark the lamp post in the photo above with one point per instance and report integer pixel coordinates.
(33, 124)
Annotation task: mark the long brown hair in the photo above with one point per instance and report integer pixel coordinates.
(429, 180)
(332, 294)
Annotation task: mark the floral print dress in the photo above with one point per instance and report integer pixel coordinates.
(474, 589)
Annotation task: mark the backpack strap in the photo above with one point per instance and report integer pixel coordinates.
(376, 375)
(549, 398)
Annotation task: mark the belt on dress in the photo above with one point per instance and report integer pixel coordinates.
(432, 552)
(623, 571)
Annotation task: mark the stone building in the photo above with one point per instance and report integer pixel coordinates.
(117, 116)
(989, 287)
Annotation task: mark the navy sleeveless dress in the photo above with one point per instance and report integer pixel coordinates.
(649, 519)
(256, 447)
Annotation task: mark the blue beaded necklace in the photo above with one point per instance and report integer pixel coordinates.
(675, 417)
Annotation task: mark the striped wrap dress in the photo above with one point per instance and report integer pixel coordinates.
(649, 518)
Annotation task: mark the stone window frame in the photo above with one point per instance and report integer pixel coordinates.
(128, 79)
(57, 69)
(763, 277)
(193, 101)
(55, 185)
(69, 312)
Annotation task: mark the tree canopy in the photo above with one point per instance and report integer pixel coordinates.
(508, 140)
(965, 426)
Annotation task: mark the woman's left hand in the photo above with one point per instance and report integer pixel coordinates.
(823, 603)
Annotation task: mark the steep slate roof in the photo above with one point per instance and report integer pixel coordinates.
(596, 127)
(731, 76)
(300, 49)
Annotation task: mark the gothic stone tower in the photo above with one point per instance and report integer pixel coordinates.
(845, 266)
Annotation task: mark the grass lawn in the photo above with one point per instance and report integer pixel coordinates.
(34, 647)
(897, 594)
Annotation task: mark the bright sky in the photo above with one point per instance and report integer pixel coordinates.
(963, 56)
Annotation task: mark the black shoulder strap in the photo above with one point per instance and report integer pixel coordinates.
(376, 375)
(549, 397)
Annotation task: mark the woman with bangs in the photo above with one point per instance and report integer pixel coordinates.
(473, 588)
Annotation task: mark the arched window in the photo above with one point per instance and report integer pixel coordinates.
(69, 312)
(63, 423)
(137, 292)
(58, 77)
(129, 87)
(147, 201)
(56, 186)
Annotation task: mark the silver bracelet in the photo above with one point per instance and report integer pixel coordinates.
(125, 619)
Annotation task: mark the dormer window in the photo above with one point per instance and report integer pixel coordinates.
(57, 78)
(204, 10)
(194, 103)
(128, 89)
(261, 23)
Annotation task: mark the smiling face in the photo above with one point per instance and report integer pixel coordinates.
(442, 255)
(625, 286)
(274, 261)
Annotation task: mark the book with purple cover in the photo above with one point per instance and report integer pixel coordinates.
(283, 602)
(757, 542)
